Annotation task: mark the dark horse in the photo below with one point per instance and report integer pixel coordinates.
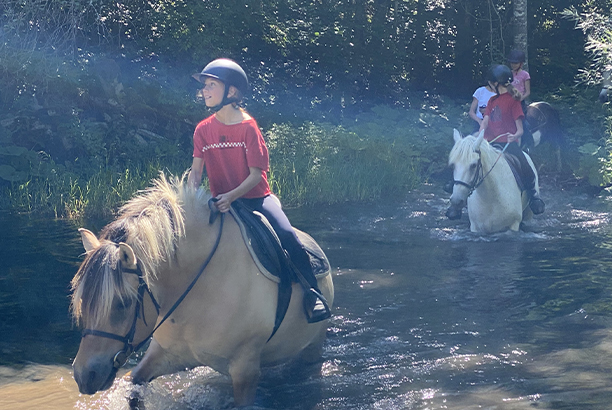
(545, 126)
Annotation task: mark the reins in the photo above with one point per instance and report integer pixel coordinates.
(477, 180)
(122, 355)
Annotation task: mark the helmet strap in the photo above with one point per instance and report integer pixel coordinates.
(225, 101)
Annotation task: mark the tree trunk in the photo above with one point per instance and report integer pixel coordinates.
(520, 28)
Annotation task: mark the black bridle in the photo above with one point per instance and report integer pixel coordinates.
(479, 175)
(477, 180)
(128, 348)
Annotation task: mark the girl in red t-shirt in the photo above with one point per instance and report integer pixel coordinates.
(503, 123)
(230, 146)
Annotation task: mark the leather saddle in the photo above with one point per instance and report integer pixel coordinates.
(270, 257)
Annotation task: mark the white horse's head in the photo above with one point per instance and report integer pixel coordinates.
(464, 159)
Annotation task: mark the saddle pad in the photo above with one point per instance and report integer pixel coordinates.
(515, 166)
(265, 249)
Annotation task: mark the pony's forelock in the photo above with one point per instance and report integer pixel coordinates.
(97, 283)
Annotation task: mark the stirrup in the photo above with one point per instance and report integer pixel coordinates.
(320, 311)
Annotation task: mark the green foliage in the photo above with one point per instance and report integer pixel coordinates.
(322, 163)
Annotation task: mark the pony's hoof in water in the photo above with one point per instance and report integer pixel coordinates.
(135, 401)
(537, 206)
(453, 213)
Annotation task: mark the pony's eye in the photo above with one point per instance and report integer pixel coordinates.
(122, 305)
(120, 311)
(472, 166)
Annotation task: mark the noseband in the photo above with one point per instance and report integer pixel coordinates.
(128, 348)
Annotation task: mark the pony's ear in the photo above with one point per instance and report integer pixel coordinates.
(479, 140)
(127, 256)
(90, 242)
(456, 135)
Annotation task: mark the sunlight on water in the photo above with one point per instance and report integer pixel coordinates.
(199, 388)
(428, 316)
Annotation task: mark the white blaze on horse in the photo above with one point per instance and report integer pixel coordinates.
(484, 182)
(142, 265)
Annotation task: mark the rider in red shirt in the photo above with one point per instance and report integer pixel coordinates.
(503, 123)
(230, 145)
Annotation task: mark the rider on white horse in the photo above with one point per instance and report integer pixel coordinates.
(502, 123)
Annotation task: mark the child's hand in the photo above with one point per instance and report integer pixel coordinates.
(512, 137)
(223, 202)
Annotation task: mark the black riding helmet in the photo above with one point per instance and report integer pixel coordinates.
(500, 74)
(229, 73)
(516, 56)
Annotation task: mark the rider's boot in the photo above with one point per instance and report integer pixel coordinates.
(315, 306)
(535, 202)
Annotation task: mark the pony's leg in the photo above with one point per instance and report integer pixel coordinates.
(157, 362)
(245, 371)
(314, 351)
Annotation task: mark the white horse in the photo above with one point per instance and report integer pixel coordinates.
(484, 182)
(162, 259)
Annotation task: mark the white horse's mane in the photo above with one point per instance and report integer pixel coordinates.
(463, 150)
(151, 223)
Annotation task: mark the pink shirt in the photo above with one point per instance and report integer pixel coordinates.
(519, 81)
(228, 152)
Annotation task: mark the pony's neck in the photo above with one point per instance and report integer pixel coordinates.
(492, 168)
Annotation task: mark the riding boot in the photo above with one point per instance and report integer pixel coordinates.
(535, 202)
(315, 306)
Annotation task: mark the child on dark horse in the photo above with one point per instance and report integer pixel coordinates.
(231, 147)
(522, 83)
(503, 123)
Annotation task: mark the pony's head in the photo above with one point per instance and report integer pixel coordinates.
(465, 161)
(108, 296)
(147, 229)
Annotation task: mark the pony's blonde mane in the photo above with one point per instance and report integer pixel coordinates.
(152, 224)
(463, 151)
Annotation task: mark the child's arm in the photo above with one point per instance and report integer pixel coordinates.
(527, 90)
(195, 175)
(484, 123)
(473, 109)
(519, 131)
(226, 199)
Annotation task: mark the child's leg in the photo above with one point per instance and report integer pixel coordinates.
(294, 247)
(528, 177)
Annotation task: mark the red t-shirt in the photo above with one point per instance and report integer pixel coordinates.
(228, 152)
(503, 111)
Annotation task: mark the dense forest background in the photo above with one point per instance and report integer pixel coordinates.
(356, 98)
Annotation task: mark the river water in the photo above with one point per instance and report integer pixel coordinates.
(427, 314)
